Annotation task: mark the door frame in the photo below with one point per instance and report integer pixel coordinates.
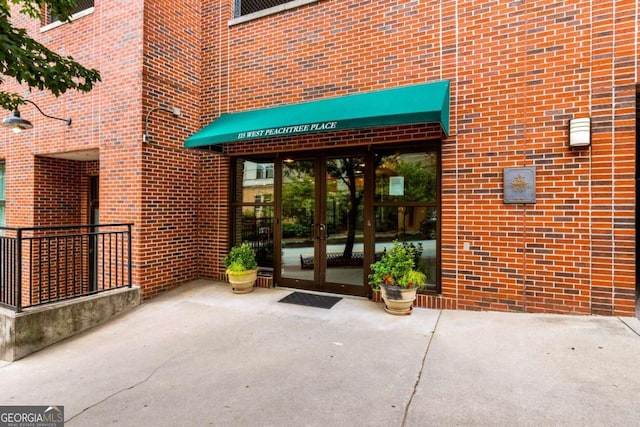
(319, 282)
(369, 153)
(93, 207)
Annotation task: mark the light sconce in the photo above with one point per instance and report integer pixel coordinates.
(580, 132)
(174, 111)
(18, 124)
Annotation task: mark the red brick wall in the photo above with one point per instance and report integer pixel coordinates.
(213, 215)
(57, 199)
(149, 56)
(519, 71)
(109, 119)
(170, 192)
(613, 78)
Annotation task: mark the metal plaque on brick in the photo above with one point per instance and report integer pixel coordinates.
(519, 185)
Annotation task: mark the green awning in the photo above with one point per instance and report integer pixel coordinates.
(421, 103)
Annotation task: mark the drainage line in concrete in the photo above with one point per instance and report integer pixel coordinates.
(120, 391)
(627, 325)
(424, 360)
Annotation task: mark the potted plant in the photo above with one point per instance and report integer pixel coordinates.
(397, 278)
(242, 268)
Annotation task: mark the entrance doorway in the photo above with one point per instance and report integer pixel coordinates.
(317, 220)
(322, 235)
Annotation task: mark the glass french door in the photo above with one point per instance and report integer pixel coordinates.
(322, 224)
(316, 221)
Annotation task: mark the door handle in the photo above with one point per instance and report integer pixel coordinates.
(322, 229)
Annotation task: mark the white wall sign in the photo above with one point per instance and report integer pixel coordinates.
(396, 185)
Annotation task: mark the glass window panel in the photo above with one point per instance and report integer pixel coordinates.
(345, 186)
(254, 225)
(409, 177)
(253, 179)
(298, 198)
(298, 206)
(345, 220)
(413, 225)
(253, 210)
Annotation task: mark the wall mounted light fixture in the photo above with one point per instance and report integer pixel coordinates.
(18, 124)
(580, 132)
(175, 111)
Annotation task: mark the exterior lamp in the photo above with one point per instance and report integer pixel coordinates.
(580, 132)
(145, 136)
(18, 124)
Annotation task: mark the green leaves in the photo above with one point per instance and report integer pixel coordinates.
(61, 9)
(240, 258)
(397, 267)
(33, 64)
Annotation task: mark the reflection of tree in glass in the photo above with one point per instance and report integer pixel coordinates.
(298, 194)
(419, 177)
(418, 169)
(346, 170)
(419, 181)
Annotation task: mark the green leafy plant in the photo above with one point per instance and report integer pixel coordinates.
(397, 267)
(31, 63)
(240, 258)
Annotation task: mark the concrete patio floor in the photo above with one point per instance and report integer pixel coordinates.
(201, 355)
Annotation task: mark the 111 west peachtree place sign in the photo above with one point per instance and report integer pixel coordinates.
(289, 130)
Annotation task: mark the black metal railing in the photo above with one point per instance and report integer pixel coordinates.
(258, 232)
(41, 265)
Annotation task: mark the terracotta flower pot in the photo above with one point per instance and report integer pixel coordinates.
(398, 300)
(242, 282)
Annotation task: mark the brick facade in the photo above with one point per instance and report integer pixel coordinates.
(169, 188)
(518, 71)
(148, 58)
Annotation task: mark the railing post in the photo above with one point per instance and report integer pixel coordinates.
(18, 284)
(57, 271)
(129, 256)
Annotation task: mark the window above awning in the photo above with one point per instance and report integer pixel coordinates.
(421, 103)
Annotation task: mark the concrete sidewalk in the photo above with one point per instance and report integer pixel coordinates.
(201, 355)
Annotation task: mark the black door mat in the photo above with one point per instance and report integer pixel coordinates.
(310, 300)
